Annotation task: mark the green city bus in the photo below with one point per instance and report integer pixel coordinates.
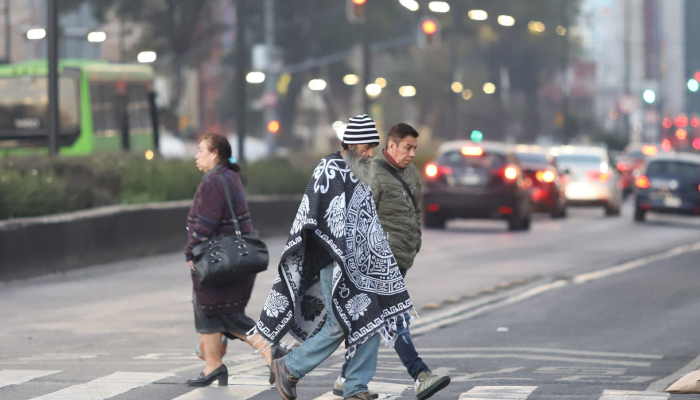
(102, 107)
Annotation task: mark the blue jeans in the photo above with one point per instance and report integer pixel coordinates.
(360, 368)
(404, 348)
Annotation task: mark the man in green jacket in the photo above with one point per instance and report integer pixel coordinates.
(396, 190)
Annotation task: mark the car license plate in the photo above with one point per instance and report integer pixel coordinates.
(673, 202)
(470, 179)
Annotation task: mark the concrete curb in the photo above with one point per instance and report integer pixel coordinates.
(36, 246)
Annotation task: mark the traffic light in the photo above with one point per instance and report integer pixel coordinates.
(429, 33)
(355, 10)
(273, 127)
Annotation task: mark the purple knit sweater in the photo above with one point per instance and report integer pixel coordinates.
(208, 217)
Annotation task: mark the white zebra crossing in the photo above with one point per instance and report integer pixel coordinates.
(498, 392)
(105, 387)
(17, 376)
(245, 387)
(632, 395)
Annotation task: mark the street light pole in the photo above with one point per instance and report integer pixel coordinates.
(241, 70)
(8, 33)
(271, 78)
(52, 36)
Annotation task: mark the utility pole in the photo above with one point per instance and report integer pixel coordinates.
(52, 36)
(627, 62)
(271, 73)
(240, 84)
(366, 68)
(8, 33)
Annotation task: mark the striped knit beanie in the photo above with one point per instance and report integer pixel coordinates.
(360, 130)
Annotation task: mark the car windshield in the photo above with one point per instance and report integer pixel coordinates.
(674, 169)
(457, 159)
(532, 158)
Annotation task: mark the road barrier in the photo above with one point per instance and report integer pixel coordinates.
(37, 246)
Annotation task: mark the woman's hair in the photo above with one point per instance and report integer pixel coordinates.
(223, 149)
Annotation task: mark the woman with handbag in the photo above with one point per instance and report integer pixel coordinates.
(219, 304)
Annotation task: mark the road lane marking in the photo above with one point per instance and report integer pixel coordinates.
(498, 392)
(534, 357)
(470, 310)
(663, 383)
(618, 269)
(105, 387)
(632, 395)
(501, 303)
(18, 376)
(535, 350)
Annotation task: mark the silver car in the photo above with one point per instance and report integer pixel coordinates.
(590, 179)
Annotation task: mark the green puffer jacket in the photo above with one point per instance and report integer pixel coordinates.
(396, 212)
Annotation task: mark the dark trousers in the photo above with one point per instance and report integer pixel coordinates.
(404, 348)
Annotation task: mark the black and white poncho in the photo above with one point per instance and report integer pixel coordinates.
(369, 293)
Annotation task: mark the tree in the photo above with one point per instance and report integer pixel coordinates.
(181, 29)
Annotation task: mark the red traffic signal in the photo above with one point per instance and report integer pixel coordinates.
(273, 126)
(355, 11)
(429, 33)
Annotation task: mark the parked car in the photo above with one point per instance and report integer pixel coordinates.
(631, 164)
(476, 180)
(547, 185)
(670, 184)
(590, 180)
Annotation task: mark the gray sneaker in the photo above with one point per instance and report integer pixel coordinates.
(428, 384)
(339, 385)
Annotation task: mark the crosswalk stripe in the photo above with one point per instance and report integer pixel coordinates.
(239, 388)
(17, 376)
(498, 392)
(632, 395)
(105, 387)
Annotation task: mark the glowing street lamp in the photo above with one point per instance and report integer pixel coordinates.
(146, 57)
(255, 77)
(96, 37)
(317, 84)
(373, 90)
(489, 88)
(478, 15)
(439, 6)
(351, 79)
(506, 20)
(36, 34)
(410, 4)
(407, 91)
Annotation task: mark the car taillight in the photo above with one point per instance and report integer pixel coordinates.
(596, 175)
(642, 182)
(698, 188)
(622, 167)
(546, 176)
(510, 173)
(431, 170)
(434, 171)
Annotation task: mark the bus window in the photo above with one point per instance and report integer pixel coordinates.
(24, 106)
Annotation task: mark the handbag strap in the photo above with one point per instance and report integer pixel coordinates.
(398, 177)
(227, 190)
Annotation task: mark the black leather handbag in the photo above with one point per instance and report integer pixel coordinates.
(224, 258)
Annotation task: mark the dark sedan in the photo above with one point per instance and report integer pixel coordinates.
(476, 180)
(670, 184)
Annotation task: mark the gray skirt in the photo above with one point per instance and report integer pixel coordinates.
(237, 323)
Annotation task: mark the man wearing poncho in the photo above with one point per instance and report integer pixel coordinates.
(338, 280)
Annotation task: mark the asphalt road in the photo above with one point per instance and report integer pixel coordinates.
(519, 316)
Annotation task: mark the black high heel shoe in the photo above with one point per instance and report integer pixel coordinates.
(220, 373)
